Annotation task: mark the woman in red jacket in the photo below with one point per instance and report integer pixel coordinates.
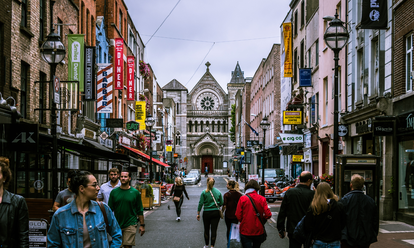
(251, 227)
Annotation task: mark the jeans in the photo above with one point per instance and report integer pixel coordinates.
(228, 224)
(293, 243)
(178, 206)
(251, 241)
(344, 244)
(320, 244)
(211, 219)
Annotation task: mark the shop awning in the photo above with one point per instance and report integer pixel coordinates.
(92, 152)
(146, 156)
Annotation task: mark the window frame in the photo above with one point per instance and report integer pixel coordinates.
(24, 77)
(23, 20)
(408, 67)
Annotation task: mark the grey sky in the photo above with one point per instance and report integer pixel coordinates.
(234, 30)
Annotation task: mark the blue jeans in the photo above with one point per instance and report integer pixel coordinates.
(251, 241)
(320, 244)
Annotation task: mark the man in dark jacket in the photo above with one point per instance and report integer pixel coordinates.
(362, 220)
(14, 215)
(294, 206)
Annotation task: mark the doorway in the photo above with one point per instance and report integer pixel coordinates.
(207, 161)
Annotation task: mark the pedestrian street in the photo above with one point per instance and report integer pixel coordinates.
(162, 229)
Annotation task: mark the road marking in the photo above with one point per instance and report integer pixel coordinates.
(410, 241)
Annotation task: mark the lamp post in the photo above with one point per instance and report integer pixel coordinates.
(336, 37)
(53, 52)
(149, 122)
(264, 124)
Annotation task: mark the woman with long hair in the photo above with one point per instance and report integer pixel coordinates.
(252, 232)
(81, 223)
(231, 199)
(211, 201)
(177, 191)
(326, 218)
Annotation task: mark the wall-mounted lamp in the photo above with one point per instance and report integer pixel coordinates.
(2, 101)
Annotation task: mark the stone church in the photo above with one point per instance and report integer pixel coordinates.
(203, 120)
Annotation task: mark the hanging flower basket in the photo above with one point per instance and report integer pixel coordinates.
(328, 179)
(142, 97)
(142, 142)
(144, 70)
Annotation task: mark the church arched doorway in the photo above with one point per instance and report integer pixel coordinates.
(207, 161)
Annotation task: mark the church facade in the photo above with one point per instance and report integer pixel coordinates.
(203, 121)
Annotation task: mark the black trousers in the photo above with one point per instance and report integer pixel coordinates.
(228, 224)
(293, 243)
(178, 206)
(211, 220)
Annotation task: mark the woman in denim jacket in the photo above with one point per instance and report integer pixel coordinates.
(81, 223)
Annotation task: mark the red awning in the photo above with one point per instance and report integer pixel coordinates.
(146, 156)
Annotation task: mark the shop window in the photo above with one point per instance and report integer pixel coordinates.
(409, 63)
(406, 176)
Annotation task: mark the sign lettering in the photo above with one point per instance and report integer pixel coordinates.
(130, 78)
(119, 63)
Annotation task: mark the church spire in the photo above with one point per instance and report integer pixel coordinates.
(237, 76)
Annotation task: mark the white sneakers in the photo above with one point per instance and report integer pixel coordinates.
(178, 219)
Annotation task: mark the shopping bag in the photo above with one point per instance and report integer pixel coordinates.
(301, 235)
(234, 237)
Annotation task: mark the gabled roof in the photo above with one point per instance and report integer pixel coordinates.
(237, 76)
(174, 85)
(207, 77)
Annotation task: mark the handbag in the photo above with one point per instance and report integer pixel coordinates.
(176, 199)
(301, 235)
(264, 236)
(101, 206)
(221, 213)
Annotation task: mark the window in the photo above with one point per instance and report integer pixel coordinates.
(120, 21)
(310, 58)
(23, 21)
(42, 17)
(295, 65)
(59, 29)
(24, 88)
(296, 22)
(326, 98)
(339, 93)
(302, 54)
(409, 63)
(178, 108)
(88, 35)
(317, 52)
(81, 18)
(338, 10)
(42, 97)
(302, 13)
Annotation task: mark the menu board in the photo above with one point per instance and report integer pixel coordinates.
(37, 233)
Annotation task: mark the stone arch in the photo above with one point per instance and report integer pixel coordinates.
(207, 148)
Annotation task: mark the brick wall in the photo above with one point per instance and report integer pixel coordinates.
(404, 24)
(5, 49)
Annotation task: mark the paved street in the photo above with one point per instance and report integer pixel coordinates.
(162, 230)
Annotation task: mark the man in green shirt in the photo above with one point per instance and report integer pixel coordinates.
(126, 203)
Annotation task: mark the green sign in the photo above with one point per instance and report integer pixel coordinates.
(76, 59)
(132, 125)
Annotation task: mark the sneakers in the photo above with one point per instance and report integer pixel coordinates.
(178, 219)
(206, 246)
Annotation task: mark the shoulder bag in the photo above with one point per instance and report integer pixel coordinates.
(175, 198)
(221, 213)
(260, 219)
(102, 207)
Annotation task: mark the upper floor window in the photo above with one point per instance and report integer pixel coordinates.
(317, 52)
(23, 21)
(120, 21)
(302, 13)
(24, 89)
(409, 63)
(296, 22)
(42, 18)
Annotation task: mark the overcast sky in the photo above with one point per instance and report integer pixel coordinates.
(219, 31)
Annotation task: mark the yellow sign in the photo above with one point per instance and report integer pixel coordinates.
(169, 149)
(292, 117)
(287, 40)
(297, 158)
(242, 153)
(140, 115)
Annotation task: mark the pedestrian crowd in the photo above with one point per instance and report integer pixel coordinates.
(110, 215)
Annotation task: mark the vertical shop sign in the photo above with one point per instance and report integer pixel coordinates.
(140, 114)
(130, 78)
(374, 14)
(119, 63)
(76, 59)
(89, 73)
(287, 39)
(104, 89)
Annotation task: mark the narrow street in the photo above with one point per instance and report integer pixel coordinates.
(162, 230)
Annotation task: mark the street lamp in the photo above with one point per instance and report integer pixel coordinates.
(53, 52)
(149, 122)
(336, 37)
(264, 124)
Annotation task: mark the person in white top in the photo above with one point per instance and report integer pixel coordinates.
(107, 187)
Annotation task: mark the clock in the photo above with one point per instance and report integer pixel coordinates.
(342, 130)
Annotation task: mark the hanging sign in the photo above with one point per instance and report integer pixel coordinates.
(297, 158)
(119, 63)
(291, 138)
(287, 40)
(168, 148)
(305, 77)
(89, 73)
(383, 128)
(104, 89)
(132, 125)
(140, 114)
(130, 78)
(292, 117)
(374, 14)
(76, 59)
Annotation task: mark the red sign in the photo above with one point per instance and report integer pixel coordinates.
(119, 63)
(130, 78)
